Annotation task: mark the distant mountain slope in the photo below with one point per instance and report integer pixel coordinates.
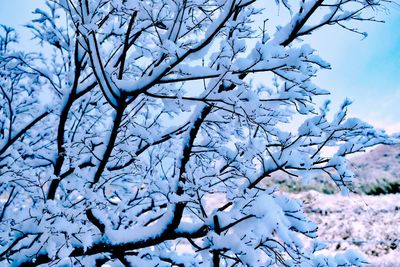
(375, 172)
(381, 162)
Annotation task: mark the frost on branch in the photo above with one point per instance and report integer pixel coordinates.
(138, 137)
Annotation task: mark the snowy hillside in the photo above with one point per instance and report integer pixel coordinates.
(368, 223)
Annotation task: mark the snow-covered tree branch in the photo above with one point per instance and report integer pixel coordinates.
(140, 136)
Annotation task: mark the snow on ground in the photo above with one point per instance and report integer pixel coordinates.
(370, 224)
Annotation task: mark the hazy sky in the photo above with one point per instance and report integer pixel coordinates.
(365, 70)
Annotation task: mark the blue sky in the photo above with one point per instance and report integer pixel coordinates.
(16, 11)
(365, 70)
